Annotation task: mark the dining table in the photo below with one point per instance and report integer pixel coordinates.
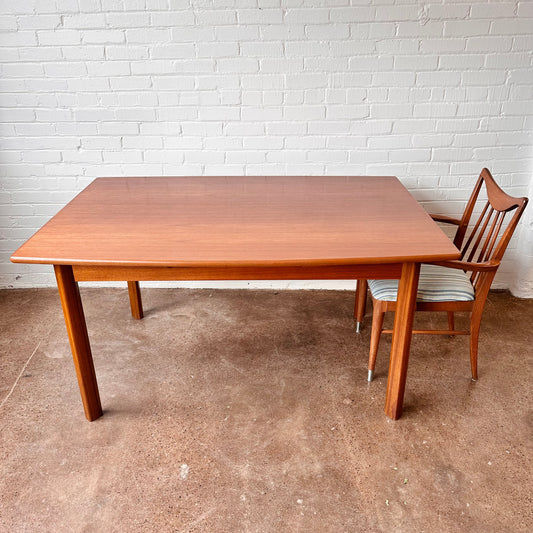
(185, 228)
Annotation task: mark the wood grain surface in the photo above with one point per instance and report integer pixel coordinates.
(239, 221)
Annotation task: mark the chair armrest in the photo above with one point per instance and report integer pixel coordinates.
(445, 219)
(486, 266)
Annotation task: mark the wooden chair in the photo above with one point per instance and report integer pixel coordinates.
(450, 286)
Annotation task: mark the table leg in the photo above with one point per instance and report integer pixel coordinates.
(79, 341)
(401, 339)
(135, 299)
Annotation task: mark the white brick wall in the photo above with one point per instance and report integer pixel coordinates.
(428, 90)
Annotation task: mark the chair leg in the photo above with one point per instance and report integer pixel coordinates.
(360, 303)
(377, 325)
(475, 323)
(451, 321)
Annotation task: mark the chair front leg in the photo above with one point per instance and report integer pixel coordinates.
(360, 303)
(377, 325)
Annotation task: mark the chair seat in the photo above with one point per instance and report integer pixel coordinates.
(436, 284)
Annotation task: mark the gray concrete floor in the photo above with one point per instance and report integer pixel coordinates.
(230, 411)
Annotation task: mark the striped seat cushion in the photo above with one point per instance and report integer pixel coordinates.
(436, 284)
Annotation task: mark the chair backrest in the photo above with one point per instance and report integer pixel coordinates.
(486, 238)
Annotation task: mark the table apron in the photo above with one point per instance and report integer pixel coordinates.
(228, 273)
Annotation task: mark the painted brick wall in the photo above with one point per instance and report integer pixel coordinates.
(430, 91)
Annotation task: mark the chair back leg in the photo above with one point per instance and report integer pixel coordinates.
(482, 291)
(475, 323)
(474, 340)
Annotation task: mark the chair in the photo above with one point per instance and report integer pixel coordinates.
(451, 286)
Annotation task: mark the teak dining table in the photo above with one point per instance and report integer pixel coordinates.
(238, 228)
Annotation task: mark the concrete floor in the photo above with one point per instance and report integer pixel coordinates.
(248, 411)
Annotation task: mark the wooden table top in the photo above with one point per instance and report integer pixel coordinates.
(239, 221)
